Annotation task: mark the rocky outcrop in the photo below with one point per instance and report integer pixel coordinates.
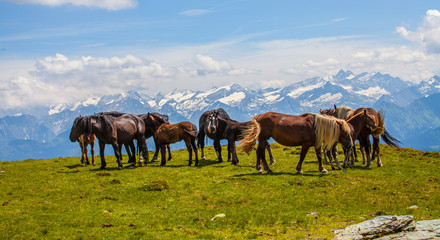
(391, 227)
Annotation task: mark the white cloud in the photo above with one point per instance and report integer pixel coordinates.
(428, 34)
(105, 4)
(195, 12)
(208, 65)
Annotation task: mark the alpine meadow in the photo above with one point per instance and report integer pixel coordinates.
(63, 199)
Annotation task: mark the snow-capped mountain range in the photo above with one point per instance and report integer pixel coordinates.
(46, 133)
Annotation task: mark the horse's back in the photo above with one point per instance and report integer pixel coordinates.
(289, 130)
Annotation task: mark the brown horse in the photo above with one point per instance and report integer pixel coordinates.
(233, 131)
(379, 131)
(152, 123)
(172, 133)
(356, 123)
(306, 130)
(345, 112)
(112, 130)
(84, 140)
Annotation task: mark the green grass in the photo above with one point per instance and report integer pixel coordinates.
(61, 199)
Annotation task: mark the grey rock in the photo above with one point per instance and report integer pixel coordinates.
(391, 227)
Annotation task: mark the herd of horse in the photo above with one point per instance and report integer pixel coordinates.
(322, 131)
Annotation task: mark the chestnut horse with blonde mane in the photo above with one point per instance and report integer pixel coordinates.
(307, 130)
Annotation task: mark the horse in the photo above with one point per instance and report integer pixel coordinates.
(305, 130)
(377, 133)
(208, 127)
(356, 123)
(233, 131)
(172, 133)
(345, 112)
(84, 140)
(129, 147)
(112, 130)
(152, 123)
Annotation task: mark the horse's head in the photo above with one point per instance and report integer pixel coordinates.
(77, 129)
(212, 122)
(370, 122)
(329, 112)
(345, 136)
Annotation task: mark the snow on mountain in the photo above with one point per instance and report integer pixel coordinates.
(309, 95)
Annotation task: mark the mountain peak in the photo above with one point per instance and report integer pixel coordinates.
(343, 74)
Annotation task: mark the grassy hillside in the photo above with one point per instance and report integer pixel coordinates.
(59, 198)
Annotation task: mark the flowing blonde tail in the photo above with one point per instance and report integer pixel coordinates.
(250, 136)
(380, 125)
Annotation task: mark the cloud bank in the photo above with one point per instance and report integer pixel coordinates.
(428, 34)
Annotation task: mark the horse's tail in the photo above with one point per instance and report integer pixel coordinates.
(380, 125)
(250, 136)
(390, 140)
(199, 139)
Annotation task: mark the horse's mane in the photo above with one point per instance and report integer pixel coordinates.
(328, 130)
(354, 116)
(161, 117)
(343, 112)
(111, 113)
(222, 113)
(106, 120)
(380, 125)
(87, 125)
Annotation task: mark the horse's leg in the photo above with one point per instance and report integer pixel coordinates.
(354, 153)
(117, 148)
(376, 149)
(189, 149)
(232, 150)
(335, 156)
(163, 160)
(262, 150)
(92, 152)
(169, 152)
(101, 153)
(156, 153)
(142, 145)
(82, 151)
(258, 164)
(269, 151)
(218, 150)
(367, 147)
(201, 142)
(362, 148)
(132, 159)
(320, 164)
(230, 156)
(131, 153)
(85, 153)
(304, 150)
(194, 147)
(328, 153)
(326, 160)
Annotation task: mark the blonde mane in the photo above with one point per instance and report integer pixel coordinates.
(328, 129)
(343, 112)
(354, 116)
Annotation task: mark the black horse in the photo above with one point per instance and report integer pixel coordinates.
(217, 125)
(233, 132)
(208, 126)
(129, 147)
(112, 130)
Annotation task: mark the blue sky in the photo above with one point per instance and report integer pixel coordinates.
(59, 51)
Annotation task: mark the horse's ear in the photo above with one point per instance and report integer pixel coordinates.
(151, 117)
(320, 111)
(334, 106)
(365, 111)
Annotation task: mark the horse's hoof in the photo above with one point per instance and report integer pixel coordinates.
(202, 158)
(333, 168)
(260, 171)
(300, 172)
(220, 161)
(324, 171)
(94, 164)
(269, 171)
(119, 168)
(229, 160)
